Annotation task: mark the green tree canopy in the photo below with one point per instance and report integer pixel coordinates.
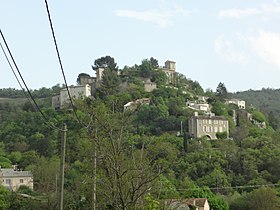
(106, 62)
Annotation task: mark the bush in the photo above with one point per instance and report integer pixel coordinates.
(221, 135)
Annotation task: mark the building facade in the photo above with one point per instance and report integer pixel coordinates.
(240, 103)
(204, 107)
(132, 105)
(149, 86)
(170, 70)
(76, 92)
(207, 125)
(12, 179)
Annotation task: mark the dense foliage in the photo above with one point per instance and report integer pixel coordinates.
(142, 155)
(267, 100)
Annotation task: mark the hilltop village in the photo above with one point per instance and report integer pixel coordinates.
(140, 137)
(203, 122)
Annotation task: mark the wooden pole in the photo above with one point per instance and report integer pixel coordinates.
(94, 169)
(62, 165)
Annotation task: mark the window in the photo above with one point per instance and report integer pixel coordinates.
(8, 181)
(21, 181)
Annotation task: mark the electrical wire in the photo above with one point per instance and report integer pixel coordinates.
(234, 187)
(61, 66)
(11, 67)
(25, 85)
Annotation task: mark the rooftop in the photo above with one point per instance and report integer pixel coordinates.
(9, 172)
(209, 117)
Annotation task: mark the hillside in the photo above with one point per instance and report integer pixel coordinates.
(141, 156)
(266, 100)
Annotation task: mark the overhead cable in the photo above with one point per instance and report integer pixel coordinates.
(61, 66)
(25, 85)
(230, 187)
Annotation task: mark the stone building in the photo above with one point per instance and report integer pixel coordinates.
(170, 70)
(12, 179)
(185, 204)
(207, 125)
(204, 107)
(149, 86)
(94, 82)
(240, 103)
(132, 105)
(62, 99)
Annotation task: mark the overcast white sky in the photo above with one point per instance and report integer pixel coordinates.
(234, 42)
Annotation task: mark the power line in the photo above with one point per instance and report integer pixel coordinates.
(25, 85)
(231, 187)
(61, 66)
(11, 67)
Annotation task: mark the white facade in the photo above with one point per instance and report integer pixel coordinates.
(202, 98)
(76, 92)
(199, 106)
(207, 125)
(240, 103)
(132, 105)
(13, 179)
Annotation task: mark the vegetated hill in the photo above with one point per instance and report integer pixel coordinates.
(140, 159)
(266, 100)
(11, 98)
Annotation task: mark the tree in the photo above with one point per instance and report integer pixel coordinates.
(221, 135)
(221, 91)
(259, 199)
(197, 88)
(110, 82)
(4, 198)
(159, 77)
(106, 62)
(5, 162)
(219, 108)
(124, 173)
(146, 68)
(165, 188)
(259, 116)
(216, 202)
(154, 63)
(79, 77)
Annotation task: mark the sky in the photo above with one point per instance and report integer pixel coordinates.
(233, 42)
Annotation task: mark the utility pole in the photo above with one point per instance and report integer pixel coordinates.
(94, 180)
(181, 132)
(62, 164)
(94, 168)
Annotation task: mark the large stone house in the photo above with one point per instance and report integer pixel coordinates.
(12, 179)
(62, 99)
(207, 125)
